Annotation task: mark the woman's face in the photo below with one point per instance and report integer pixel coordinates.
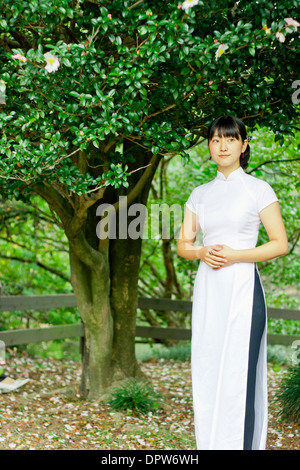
(226, 151)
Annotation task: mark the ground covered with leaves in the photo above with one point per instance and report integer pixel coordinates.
(49, 413)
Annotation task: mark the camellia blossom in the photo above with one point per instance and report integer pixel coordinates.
(20, 57)
(189, 4)
(221, 49)
(52, 62)
(291, 22)
(280, 36)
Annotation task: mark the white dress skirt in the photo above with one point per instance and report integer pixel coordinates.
(228, 359)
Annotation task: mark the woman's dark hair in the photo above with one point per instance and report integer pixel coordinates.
(230, 126)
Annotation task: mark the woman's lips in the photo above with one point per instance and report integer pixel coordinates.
(223, 156)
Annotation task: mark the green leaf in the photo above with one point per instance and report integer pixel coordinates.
(252, 51)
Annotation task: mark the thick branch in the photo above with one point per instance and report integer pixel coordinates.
(273, 161)
(146, 176)
(84, 203)
(85, 252)
(56, 201)
(22, 40)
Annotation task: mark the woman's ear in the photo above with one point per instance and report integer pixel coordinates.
(245, 145)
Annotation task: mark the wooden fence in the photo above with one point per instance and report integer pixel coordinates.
(48, 333)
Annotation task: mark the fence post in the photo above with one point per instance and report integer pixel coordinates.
(2, 353)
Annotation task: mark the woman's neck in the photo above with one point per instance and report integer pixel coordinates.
(226, 171)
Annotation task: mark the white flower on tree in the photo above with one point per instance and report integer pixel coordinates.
(187, 4)
(52, 62)
(221, 49)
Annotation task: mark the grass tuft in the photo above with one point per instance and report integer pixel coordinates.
(135, 395)
(289, 395)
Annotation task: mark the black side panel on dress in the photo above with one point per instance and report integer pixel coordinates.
(257, 329)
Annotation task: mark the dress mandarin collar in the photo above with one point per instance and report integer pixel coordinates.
(232, 176)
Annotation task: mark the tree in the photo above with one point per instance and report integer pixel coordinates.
(97, 93)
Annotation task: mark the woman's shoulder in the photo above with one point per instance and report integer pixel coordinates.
(261, 191)
(256, 183)
(202, 188)
(197, 197)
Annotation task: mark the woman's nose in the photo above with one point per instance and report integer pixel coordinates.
(223, 144)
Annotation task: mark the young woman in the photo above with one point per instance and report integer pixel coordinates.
(229, 314)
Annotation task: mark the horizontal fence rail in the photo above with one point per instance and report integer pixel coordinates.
(47, 302)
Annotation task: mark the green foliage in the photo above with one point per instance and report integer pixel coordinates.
(34, 260)
(279, 354)
(147, 73)
(31, 237)
(180, 351)
(289, 395)
(134, 395)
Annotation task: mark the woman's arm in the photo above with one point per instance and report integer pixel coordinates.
(277, 245)
(187, 236)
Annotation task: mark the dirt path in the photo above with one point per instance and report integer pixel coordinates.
(49, 413)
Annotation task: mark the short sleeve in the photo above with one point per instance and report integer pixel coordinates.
(265, 196)
(191, 203)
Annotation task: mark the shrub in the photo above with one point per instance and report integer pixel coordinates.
(289, 395)
(137, 396)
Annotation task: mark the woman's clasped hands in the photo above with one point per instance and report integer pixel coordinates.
(217, 256)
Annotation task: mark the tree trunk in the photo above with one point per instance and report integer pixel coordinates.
(91, 286)
(104, 277)
(125, 257)
(125, 261)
